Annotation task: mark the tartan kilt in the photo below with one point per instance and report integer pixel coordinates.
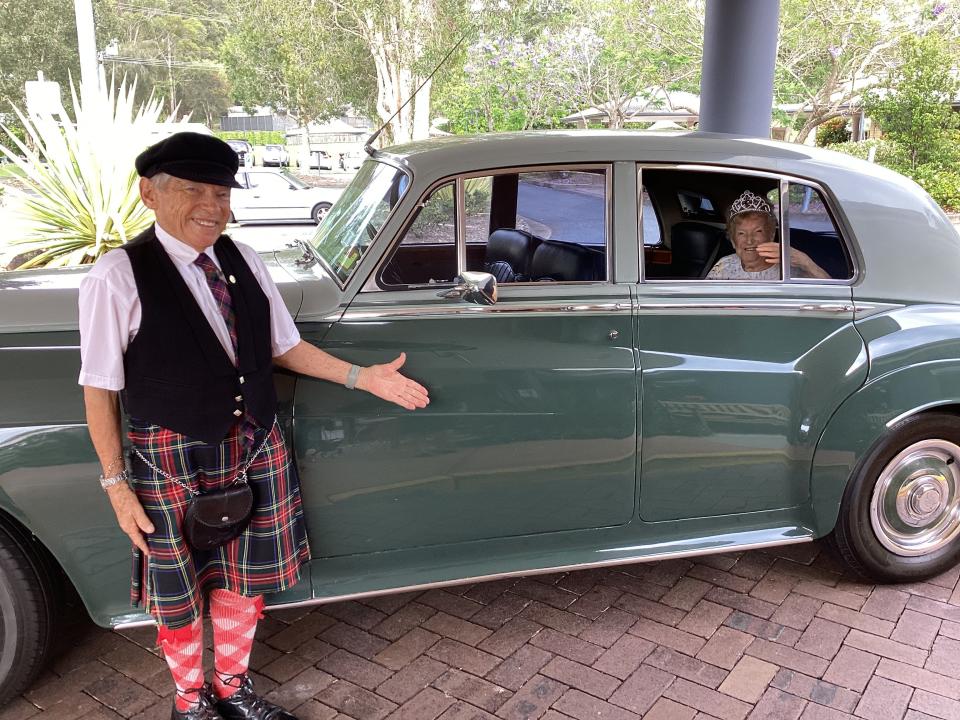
(173, 583)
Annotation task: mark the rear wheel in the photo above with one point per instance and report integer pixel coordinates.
(320, 211)
(900, 517)
(27, 591)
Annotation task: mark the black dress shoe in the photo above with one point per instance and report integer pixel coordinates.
(245, 704)
(204, 710)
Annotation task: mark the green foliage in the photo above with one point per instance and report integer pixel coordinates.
(84, 197)
(940, 179)
(833, 132)
(534, 63)
(254, 137)
(913, 109)
(38, 35)
(174, 45)
(913, 106)
(943, 184)
(829, 50)
(285, 54)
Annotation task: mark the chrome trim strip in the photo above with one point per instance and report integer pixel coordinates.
(621, 308)
(765, 305)
(862, 310)
(641, 270)
(914, 411)
(785, 228)
(609, 245)
(41, 347)
(460, 222)
(679, 554)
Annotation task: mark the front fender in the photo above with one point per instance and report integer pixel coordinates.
(866, 417)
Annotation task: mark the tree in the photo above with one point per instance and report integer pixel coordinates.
(529, 70)
(625, 48)
(912, 106)
(173, 49)
(404, 39)
(284, 54)
(831, 51)
(40, 35)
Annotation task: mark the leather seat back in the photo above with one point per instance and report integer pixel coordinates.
(513, 247)
(563, 262)
(694, 249)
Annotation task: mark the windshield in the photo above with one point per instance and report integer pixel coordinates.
(294, 180)
(348, 229)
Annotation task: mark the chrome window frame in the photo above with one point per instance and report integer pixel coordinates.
(783, 181)
(370, 285)
(402, 167)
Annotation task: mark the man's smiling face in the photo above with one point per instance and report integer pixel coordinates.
(193, 212)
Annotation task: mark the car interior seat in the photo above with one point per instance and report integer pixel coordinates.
(563, 261)
(695, 248)
(509, 254)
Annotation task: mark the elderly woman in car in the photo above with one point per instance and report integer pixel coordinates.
(752, 226)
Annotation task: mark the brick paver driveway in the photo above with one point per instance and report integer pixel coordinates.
(782, 634)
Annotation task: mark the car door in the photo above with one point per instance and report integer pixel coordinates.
(738, 377)
(531, 426)
(272, 197)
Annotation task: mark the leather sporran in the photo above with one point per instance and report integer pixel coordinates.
(217, 517)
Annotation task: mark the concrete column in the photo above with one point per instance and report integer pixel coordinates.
(739, 53)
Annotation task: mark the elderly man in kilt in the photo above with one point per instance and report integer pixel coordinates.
(185, 327)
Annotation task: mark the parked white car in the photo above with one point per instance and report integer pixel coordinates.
(274, 155)
(269, 195)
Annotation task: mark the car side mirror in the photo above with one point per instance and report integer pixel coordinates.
(479, 288)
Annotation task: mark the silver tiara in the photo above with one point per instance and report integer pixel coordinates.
(749, 202)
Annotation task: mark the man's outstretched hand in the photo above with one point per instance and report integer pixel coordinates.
(386, 382)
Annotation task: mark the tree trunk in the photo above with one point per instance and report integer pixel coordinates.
(421, 113)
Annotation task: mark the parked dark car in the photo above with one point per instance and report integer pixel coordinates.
(594, 400)
(244, 151)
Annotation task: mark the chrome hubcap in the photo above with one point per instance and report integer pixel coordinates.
(915, 507)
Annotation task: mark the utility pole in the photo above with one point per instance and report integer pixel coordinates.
(87, 43)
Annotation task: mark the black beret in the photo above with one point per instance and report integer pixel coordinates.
(191, 156)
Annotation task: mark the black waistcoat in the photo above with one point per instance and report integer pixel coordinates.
(178, 375)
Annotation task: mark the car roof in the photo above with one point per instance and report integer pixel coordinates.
(887, 214)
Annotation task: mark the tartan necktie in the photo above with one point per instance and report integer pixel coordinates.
(221, 295)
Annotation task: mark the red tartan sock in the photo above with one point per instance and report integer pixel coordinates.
(234, 620)
(183, 650)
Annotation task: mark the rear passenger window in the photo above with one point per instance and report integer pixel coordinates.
(814, 234)
(692, 212)
(543, 226)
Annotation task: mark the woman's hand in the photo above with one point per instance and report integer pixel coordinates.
(386, 382)
(770, 252)
(799, 260)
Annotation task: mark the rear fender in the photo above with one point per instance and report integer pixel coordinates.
(866, 417)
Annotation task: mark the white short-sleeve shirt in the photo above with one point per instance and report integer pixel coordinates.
(110, 309)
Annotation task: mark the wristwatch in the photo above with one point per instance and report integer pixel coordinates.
(108, 482)
(352, 377)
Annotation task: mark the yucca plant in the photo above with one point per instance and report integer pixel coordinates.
(83, 196)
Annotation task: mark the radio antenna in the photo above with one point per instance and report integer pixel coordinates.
(368, 146)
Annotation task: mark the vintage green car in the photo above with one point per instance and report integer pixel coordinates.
(595, 399)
